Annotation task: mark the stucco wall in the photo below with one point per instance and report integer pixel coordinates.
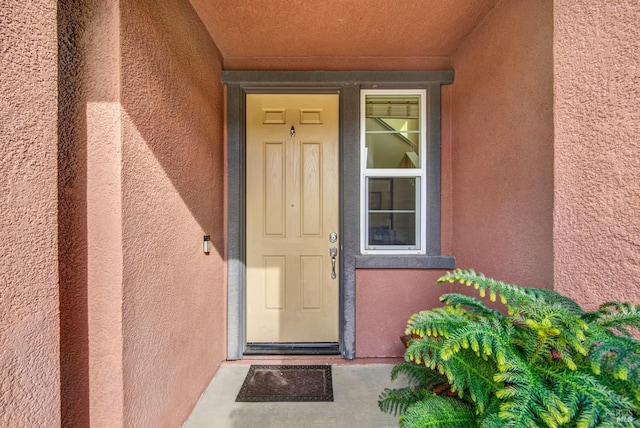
(385, 299)
(502, 145)
(72, 219)
(597, 150)
(172, 187)
(90, 226)
(141, 182)
(29, 330)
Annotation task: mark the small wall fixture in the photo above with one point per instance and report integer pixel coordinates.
(206, 244)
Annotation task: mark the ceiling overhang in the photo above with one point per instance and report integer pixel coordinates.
(338, 34)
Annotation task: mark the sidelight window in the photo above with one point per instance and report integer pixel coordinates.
(393, 165)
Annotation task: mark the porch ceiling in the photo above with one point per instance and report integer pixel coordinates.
(339, 34)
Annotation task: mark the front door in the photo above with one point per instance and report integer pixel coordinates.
(292, 218)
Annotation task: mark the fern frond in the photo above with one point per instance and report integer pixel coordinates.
(596, 401)
(526, 401)
(510, 295)
(490, 420)
(418, 376)
(470, 377)
(474, 307)
(396, 401)
(616, 355)
(553, 297)
(627, 389)
(554, 333)
(486, 337)
(565, 357)
(617, 317)
(438, 412)
(436, 322)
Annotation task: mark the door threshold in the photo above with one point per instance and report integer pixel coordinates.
(282, 348)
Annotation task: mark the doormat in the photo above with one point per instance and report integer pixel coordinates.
(287, 383)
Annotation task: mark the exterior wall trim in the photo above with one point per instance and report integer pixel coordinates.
(348, 84)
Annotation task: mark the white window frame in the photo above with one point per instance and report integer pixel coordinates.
(420, 174)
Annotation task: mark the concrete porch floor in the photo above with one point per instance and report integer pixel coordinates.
(356, 386)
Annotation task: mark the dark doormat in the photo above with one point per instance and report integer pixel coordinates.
(287, 383)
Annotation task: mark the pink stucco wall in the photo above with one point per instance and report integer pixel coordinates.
(174, 300)
(29, 329)
(141, 183)
(597, 150)
(385, 299)
(72, 217)
(502, 145)
(90, 224)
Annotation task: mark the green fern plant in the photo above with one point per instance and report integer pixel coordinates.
(545, 362)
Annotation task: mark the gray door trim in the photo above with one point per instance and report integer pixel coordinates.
(348, 85)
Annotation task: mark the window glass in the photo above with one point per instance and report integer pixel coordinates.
(392, 130)
(392, 211)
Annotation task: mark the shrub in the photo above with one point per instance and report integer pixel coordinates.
(544, 363)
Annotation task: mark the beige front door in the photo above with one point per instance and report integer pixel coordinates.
(292, 208)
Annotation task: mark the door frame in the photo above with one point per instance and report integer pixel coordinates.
(348, 85)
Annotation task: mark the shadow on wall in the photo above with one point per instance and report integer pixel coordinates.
(171, 97)
(72, 216)
(174, 99)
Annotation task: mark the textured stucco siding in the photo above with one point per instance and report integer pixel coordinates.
(597, 150)
(90, 226)
(29, 330)
(385, 301)
(502, 145)
(174, 299)
(141, 182)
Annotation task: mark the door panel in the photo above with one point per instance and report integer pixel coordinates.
(292, 206)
